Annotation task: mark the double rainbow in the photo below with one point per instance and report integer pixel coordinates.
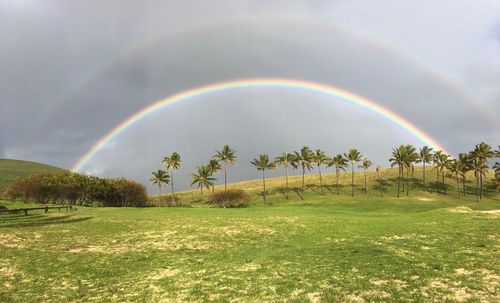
(259, 83)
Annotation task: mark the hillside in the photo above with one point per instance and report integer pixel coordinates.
(11, 170)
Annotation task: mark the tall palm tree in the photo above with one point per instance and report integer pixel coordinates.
(353, 156)
(172, 164)
(203, 178)
(340, 163)
(397, 159)
(214, 167)
(410, 156)
(441, 159)
(263, 163)
(320, 158)
(285, 160)
(379, 169)
(159, 178)
(425, 156)
(365, 165)
(227, 155)
(465, 166)
(455, 168)
(484, 152)
(479, 167)
(303, 159)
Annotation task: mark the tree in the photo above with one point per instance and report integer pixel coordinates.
(303, 159)
(172, 164)
(353, 156)
(454, 166)
(285, 160)
(425, 156)
(465, 166)
(228, 156)
(160, 177)
(365, 165)
(378, 169)
(214, 167)
(340, 163)
(479, 167)
(441, 160)
(483, 152)
(397, 159)
(263, 163)
(320, 158)
(203, 178)
(410, 156)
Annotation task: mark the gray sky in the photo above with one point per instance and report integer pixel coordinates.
(72, 70)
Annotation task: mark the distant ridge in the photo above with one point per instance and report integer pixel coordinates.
(11, 170)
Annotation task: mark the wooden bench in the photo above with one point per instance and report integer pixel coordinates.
(26, 210)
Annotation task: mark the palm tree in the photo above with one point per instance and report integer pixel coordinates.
(286, 159)
(479, 167)
(353, 156)
(441, 160)
(398, 156)
(484, 152)
(304, 160)
(320, 158)
(203, 178)
(425, 156)
(214, 167)
(365, 165)
(455, 168)
(263, 163)
(160, 177)
(410, 156)
(378, 169)
(340, 163)
(228, 156)
(172, 164)
(465, 165)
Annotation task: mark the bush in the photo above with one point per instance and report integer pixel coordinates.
(231, 198)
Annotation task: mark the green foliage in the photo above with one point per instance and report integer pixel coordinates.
(231, 198)
(203, 178)
(76, 189)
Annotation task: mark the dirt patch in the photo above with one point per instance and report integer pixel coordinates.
(12, 241)
(314, 297)
(249, 267)
(164, 273)
(424, 199)
(462, 210)
(355, 298)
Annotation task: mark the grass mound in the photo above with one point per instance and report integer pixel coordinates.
(11, 170)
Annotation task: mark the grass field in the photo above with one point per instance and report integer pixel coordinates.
(427, 247)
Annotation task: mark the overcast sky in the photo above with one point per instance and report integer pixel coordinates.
(70, 71)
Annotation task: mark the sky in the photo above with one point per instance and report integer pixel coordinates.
(71, 71)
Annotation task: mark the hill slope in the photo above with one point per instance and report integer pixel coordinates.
(11, 170)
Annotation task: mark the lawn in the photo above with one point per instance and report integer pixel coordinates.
(326, 248)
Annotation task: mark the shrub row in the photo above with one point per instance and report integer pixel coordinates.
(231, 198)
(77, 189)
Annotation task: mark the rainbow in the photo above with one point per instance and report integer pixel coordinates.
(254, 83)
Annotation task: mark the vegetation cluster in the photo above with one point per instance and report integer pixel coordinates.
(77, 189)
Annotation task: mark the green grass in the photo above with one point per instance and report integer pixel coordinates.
(326, 248)
(11, 170)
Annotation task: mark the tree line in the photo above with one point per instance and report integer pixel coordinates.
(77, 189)
(404, 157)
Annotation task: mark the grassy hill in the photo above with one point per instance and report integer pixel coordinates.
(11, 170)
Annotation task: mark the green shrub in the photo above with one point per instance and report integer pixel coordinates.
(231, 198)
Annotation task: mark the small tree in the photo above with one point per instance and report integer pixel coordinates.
(160, 177)
(340, 163)
(227, 155)
(172, 164)
(353, 156)
(366, 164)
(203, 178)
(214, 167)
(303, 159)
(319, 158)
(286, 159)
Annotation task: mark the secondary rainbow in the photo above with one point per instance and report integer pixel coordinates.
(259, 83)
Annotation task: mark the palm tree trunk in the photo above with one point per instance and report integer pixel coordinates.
(172, 187)
(477, 188)
(352, 179)
(303, 173)
(264, 183)
(225, 176)
(320, 179)
(444, 185)
(408, 181)
(403, 177)
(437, 179)
(423, 170)
(458, 188)
(366, 191)
(159, 195)
(286, 176)
(399, 179)
(337, 179)
(481, 184)
(463, 184)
